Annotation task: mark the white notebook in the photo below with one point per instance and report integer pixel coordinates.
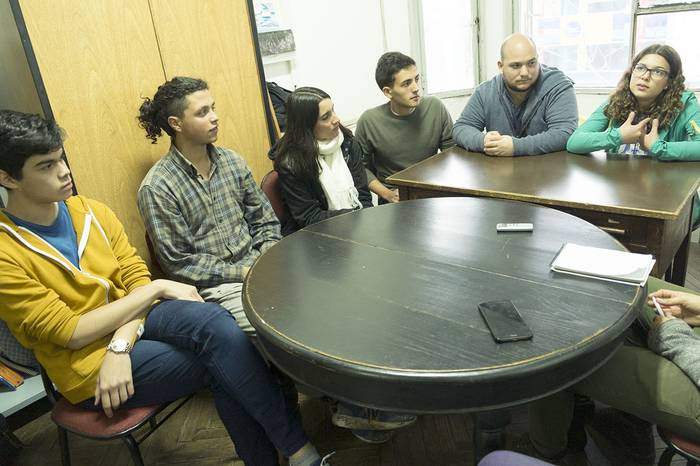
(604, 264)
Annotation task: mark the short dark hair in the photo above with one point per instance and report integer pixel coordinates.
(169, 100)
(388, 65)
(23, 135)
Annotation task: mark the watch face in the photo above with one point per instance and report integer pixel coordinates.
(119, 346)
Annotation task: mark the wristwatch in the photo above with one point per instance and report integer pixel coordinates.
(119, 346)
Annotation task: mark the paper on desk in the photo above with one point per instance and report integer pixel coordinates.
(604, 264)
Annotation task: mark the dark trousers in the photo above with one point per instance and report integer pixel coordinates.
(188, 346)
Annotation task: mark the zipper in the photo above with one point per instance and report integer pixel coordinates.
(70, 269)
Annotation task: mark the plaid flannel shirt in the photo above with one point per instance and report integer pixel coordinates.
(205, 232)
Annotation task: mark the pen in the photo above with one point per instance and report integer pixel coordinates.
(658, 308)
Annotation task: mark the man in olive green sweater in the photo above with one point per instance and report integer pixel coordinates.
(403, 131)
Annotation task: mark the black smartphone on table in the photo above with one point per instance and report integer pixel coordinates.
(504, 321)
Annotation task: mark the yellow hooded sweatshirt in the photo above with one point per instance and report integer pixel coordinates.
(42, 294)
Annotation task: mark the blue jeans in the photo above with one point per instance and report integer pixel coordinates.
(188, 346)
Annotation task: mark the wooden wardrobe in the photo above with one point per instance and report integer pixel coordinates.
(93, 61)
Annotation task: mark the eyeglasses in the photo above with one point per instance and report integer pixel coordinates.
(656, 73)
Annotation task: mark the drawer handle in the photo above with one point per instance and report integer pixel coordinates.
(614, 231)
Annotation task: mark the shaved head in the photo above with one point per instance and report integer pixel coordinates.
(517, 44)
(518, 64)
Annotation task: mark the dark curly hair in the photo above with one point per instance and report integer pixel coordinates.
(668, 104)
(170, 100)
(23, 135)
(388, 65)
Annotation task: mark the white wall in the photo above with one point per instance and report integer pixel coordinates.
(338, 43)
(337, 47)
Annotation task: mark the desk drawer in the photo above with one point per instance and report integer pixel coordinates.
(633, 232)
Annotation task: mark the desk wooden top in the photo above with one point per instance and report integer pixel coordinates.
(379, 306)
(607, 183)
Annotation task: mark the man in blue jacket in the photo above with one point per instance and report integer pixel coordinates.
(528, 109)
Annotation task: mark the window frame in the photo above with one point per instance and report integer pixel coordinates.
(524, 11)
(417, 29)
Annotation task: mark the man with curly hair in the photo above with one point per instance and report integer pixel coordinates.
(206, 216)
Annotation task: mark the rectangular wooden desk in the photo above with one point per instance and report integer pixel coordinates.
(644, 203)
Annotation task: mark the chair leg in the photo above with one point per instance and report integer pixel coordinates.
(134, 449)
(666, 457)
(63, 442)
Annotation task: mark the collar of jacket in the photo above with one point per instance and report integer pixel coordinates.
(82, 219)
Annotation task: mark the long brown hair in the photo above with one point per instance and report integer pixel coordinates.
(667, 104)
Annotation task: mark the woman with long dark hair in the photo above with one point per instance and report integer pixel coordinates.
(318, 161)
(322, 175)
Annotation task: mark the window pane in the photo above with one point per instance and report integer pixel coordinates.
(676, 30)
(448, 32)
(650, 3)
(587, 39)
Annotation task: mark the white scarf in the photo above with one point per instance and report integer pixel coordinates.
(336, 180)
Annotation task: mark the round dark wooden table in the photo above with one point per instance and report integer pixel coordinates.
(379, 307)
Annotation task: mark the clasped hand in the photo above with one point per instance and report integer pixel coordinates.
(632, 134)
(115, 384)
(497, 145)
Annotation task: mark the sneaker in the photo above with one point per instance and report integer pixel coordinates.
(373, 436)
(355, 417)
(524, 445)
(324, 461)
(623, 438)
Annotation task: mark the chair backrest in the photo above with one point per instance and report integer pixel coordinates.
(270, 185)
(12, 352)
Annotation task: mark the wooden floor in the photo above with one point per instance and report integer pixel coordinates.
(195, 436)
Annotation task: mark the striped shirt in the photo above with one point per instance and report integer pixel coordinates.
(206, 231)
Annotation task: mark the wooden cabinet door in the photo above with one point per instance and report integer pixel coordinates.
(213, 40)
(96, 59)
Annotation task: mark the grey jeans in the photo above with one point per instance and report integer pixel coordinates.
(228, 295)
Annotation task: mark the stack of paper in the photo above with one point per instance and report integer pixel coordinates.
(603, 264)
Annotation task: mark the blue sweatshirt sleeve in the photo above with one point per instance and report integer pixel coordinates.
(561, 116)
(468, 131)
(596, 133)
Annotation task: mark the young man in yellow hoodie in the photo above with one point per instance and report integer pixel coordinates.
(75, 292)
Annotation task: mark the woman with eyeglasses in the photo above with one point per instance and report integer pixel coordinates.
(650, 113)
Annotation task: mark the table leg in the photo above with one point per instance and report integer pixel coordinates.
(489, 431)
(676, 272)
